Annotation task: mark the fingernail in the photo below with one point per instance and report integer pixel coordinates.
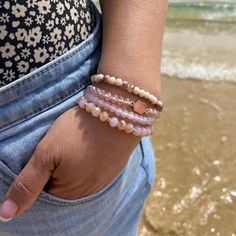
(8, 210)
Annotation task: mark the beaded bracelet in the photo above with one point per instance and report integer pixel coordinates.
(97, 78)
(118, 111)
(138, 106)
(114, 121)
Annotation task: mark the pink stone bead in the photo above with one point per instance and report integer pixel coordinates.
(121, 125)
(96, 111)
(90, 106)
(82, 102)
(103, 116)
(113, 122)
(137, 131)
(129, 128)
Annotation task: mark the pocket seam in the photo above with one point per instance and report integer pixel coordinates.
(94, 197)
(144, 166)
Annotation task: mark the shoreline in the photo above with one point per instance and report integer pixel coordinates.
(195, 145)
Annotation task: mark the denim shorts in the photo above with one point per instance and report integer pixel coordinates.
(28, 107)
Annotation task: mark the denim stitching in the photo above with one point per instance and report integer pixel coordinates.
(48, 105)
(143, 165)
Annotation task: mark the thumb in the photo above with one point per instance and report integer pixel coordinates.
(26, 186)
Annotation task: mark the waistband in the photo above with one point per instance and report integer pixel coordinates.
(53, 82)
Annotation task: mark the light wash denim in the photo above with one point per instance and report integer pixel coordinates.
(28, 107)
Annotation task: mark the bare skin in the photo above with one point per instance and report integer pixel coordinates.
(79, 154)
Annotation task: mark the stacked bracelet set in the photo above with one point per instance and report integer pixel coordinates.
(100, 103)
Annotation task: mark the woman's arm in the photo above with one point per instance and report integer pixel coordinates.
(79, 154)
(132, 41)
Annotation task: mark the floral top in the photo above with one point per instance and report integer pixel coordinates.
(34, 32)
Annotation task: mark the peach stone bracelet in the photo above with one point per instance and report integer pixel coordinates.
(114, 121)
(97, 78)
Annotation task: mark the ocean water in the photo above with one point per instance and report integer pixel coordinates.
(200, 40)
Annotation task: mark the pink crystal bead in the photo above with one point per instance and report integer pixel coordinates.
(103, 116)
(113, 122)
(137, 131)
(121, 125)
(90, 106)
(129, 128)
(82, 102)
(96, 111)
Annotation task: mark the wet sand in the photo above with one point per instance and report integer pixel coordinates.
(195, 144)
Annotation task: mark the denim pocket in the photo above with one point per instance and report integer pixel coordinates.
(7, 177)
(102, 193)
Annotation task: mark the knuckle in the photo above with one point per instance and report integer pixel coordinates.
(44, 157)
(21, 188)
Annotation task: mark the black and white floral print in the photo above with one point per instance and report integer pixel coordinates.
(34, 32)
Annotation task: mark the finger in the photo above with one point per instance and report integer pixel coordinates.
(27, 186)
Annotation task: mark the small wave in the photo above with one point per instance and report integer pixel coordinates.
(220, 11)
(201, 70)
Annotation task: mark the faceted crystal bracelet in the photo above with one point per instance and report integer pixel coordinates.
(119, 111)
(114, 121)
(138, 106)
(97, 78)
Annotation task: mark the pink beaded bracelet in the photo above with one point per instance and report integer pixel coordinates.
(138, 106)
(97, 78)
(119, 111)
(114, 121)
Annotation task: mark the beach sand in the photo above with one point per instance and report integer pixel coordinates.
(195, 187)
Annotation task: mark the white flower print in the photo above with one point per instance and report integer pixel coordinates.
(44, 6)
(88, 17)
(76, 3)
(23, 66)
(55, 35)
(77, 38)
(8, 63)
(63, 21)
(6, 5)
(34, 37)
(40, 55)
(9, 75)
(74, 14)
(82, 14)
(83, 3)
(4, 18)
(38, 31)
(19, 10)
(60, 8)
(46, 39)
(40, 19)
(25, 53)
(60, 47)
(83, 32)
(7, 50)
(3, 32)
(50, 24)
(28, 21)
(31, 3)
(69, 30)
(20, 34)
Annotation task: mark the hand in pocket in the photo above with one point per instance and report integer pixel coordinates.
(78, 156)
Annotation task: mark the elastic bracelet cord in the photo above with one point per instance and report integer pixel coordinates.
(114, 121)
(98, 78)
